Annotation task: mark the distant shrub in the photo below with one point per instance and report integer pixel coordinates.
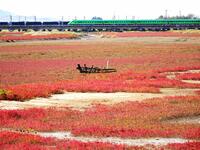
(3, 93)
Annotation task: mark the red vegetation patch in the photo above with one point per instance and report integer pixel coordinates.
(184, 146)
(189, 76)
(198, 92)
(179, 69)
(150, 34)
(131, 119)
(123, 82)
(144, 119)
(95, 145)
(16, 141)
(55, 61)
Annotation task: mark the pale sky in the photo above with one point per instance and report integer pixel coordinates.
(141, 9)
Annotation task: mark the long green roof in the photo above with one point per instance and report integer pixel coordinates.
(196, 21)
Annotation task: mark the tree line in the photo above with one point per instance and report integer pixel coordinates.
(189, 16)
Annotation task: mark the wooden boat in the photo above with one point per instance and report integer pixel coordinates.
(85, 69)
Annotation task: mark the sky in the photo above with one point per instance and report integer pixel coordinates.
(107, 9)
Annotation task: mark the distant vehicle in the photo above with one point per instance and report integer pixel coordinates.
(96, 24)
(34, 23)
(137, 22)
(96, 18)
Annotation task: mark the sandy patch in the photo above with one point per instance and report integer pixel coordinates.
(172, 75)
(81, 101)
(192, 81)
(185, 120)
(116, 140)
(158, 141)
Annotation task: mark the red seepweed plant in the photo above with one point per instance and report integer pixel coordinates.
(131, 119)
(128, 81)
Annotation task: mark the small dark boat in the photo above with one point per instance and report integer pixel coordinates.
(93, 69)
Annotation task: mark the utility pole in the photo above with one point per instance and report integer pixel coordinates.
(166, 15)
(35, 19)
(25, 20)
(10, 23)
(62, 18)
(180, 13)
(10, 18)
(114, 17)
